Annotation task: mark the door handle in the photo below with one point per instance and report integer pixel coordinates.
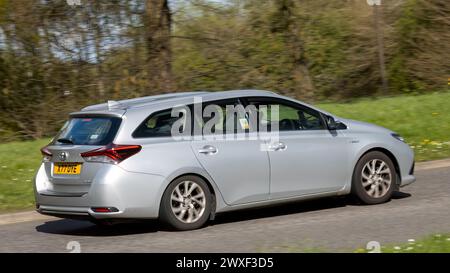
(279, 146)
(208, 150)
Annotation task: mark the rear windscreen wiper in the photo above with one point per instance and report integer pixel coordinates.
(65, 140)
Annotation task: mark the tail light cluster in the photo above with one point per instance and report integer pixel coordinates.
(46, 154)
(111, 153)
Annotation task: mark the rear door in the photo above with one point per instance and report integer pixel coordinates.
(236, 162)
(66, 169)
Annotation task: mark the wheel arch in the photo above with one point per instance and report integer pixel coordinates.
(211, 186)
(388, 154)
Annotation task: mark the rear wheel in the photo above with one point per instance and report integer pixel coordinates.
(186, 203)
(374, 178)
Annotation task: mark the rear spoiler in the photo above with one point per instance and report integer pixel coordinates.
(115, 113)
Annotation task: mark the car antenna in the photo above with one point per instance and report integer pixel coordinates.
(112, 104)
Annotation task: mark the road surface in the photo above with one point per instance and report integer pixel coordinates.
(333, 224)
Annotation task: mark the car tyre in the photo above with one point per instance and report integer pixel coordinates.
(374, 178)
(186, 203)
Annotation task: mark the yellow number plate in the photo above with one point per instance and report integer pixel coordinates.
(67, 168)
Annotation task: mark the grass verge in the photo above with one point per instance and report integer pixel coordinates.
(18, 164)
(437, 243)
(423, 120)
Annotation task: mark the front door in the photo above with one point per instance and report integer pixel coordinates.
(306, 157)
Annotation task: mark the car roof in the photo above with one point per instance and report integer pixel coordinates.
(175, 98)
(118, 108)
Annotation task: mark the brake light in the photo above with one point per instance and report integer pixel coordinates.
(104, 209)
(46, 154)
(111, 153)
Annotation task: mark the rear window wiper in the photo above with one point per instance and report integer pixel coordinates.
(65, 140)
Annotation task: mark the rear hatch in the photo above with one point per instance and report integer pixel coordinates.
(69, 173)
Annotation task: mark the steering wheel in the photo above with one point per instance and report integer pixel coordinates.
(286, 125)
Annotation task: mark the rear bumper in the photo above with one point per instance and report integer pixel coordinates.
(80, 213)
(65, 212)
(135, 195)
(60, 210)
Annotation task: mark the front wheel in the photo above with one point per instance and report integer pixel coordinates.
(186, 203)
(374, 178)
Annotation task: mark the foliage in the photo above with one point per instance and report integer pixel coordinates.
(56, 58)
(420, 46)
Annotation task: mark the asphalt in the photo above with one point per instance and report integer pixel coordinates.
(331, 224)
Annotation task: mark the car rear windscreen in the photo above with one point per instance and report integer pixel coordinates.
(88, 131)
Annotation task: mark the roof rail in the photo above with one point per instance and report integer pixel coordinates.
(112, 104)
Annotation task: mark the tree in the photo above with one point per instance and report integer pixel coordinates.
(56, 58)
(422, 42)
(286, 21)
(158, 25)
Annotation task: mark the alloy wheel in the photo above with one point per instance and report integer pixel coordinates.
(188, 202)
(376, 178)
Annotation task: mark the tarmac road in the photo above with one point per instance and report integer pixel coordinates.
(332, 224)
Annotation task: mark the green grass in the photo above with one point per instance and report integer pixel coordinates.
(436, 243)
(424, 120)
(18, 164)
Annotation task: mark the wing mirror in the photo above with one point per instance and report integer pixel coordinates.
(333, 124)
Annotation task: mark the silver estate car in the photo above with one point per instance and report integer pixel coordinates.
(136, 159)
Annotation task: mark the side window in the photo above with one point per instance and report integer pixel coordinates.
(216, 117)
(312, 120)
(158, 124)
(290, 117)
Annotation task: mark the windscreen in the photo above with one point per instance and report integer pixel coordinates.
(88, 131)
